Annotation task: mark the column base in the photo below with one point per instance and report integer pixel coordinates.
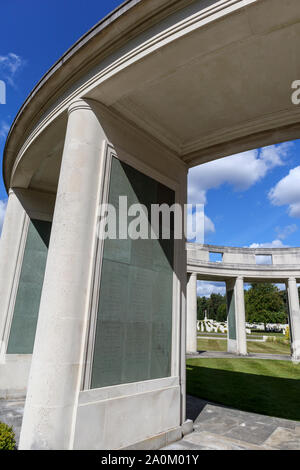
(107, 418)
(295, 359)
(161, 440)
(295, 351)
(232, 346)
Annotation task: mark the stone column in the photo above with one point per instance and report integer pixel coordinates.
(10, 262)
(236, 338)
(191, 314)
(294, 317)
(241, 317)
(57, 364)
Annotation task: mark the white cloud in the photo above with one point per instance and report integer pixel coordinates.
(284, 232)
(267, 259)
(205, 288)
(10, 64)
(209, 226)
(273, 244)
(287, 192)
(241, 170)
(4, 128)
(3, 204)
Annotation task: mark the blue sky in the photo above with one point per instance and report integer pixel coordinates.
(250, 199)
(33, 35)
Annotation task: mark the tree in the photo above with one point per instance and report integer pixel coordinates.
(283, 295)
(214, 303)
(264, 304)
(202, 305)
(222, 312)
(211, 305)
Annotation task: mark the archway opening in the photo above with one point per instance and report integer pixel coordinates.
(248, 264)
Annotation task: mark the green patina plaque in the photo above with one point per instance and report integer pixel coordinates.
(231, 314)
(134, 318)
(23, 327)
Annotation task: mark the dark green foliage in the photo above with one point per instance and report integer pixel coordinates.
(202, 305)
(7, 438)
(214, 303)
(222, 313)
(215, 306)
(264, 303)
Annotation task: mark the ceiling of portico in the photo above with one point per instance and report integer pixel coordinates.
(39, 167)
(218, 85)
(220, 88)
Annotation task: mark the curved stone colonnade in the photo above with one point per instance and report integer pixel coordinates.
(235, 267)
(127, 110)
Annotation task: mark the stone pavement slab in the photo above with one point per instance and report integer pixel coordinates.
(282, 438)
(217, 427)
(218, 442)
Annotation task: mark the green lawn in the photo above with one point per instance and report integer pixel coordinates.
(262, 386)
(265, 333)
(267, 347)
(252, 335)
(211, 345)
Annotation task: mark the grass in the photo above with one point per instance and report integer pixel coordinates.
(266, 333)
(262, 386)
(252, 335)
(211, 345)
(253, 347)
(211, 334)
(269, 348)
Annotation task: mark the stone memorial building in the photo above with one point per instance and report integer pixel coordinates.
(93, 331)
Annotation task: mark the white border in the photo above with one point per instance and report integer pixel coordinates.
(15, 282)
(108, 154)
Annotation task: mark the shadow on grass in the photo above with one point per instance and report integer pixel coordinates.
(272, 396)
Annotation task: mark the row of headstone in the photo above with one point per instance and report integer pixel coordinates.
(213, 326)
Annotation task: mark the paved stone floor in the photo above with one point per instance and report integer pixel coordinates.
(11, 413)
(221, 428)
(215, 428)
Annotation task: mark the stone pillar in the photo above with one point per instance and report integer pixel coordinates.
(13, 232)
(294, 317)
(236, 338)
(57, 364)
(191, 314)
(241, 317)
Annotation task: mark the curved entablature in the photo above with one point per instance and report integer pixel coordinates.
(157, 64)
(155, 88)
(252, 264)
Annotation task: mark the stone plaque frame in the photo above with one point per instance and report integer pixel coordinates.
(109, 154)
